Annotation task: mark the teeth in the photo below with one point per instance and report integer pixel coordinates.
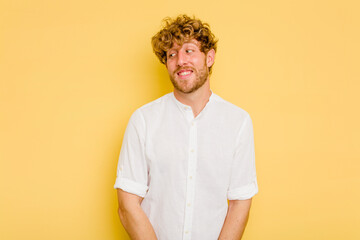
(184, 73)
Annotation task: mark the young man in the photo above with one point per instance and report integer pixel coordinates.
(187, 153)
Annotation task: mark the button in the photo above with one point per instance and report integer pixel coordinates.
(192, 150)
(188, 204)
(120, 168)
(190, 177)
(192, 123)
(186, 232)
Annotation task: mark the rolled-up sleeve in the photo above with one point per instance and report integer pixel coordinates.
(243, 182)
(132, 170)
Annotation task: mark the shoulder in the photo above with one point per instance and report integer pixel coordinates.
(156, 103)
(235, 117)
(152, 108)
(229, 110)
(155, 106)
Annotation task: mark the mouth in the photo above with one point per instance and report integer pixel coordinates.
(183, 73)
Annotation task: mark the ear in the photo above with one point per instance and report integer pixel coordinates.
(210, 58)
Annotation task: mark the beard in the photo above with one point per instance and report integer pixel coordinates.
(187, 85)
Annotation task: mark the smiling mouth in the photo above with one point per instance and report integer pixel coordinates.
(184, 72)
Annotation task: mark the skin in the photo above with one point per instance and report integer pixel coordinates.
(192, 89)
(187, 67)
(236, 220)
(133, 218)
(188, 70)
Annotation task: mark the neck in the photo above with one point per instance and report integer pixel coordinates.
(197, 100)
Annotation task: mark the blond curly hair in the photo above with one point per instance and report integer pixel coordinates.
(180, 30)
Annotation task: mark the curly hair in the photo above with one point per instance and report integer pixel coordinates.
(180, 30)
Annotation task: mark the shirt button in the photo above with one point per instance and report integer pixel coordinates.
(190, 177)
(192, 150)
(188, 204)
(192, 124)
(186, 232)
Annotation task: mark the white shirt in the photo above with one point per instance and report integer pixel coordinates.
(187, 168)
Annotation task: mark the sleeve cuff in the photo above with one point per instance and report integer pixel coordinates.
(243, 193)
(131, 186)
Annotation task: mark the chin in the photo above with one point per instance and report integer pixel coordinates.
(187, 90)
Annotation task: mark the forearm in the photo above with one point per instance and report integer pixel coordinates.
(236, 219)
(137, 224)
(134, 220)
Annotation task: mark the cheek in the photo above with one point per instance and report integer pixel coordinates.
(167, 65)
(200, 60)
(170, 66)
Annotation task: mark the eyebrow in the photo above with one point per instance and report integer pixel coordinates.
(173, 48)
(176, 48)
(192, 43)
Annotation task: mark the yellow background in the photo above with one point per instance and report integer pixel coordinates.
(72, 72)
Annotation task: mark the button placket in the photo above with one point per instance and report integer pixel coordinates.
(190, 186)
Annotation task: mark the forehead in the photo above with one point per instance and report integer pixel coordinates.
(178, 45)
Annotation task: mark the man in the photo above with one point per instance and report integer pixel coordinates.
(185, 154)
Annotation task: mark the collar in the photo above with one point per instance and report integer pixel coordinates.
(187, 110)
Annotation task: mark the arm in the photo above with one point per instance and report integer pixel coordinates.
(236, 219)
(133, 218)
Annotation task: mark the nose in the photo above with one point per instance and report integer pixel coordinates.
(181, 58)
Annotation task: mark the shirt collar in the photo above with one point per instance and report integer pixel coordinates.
(187, 109)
